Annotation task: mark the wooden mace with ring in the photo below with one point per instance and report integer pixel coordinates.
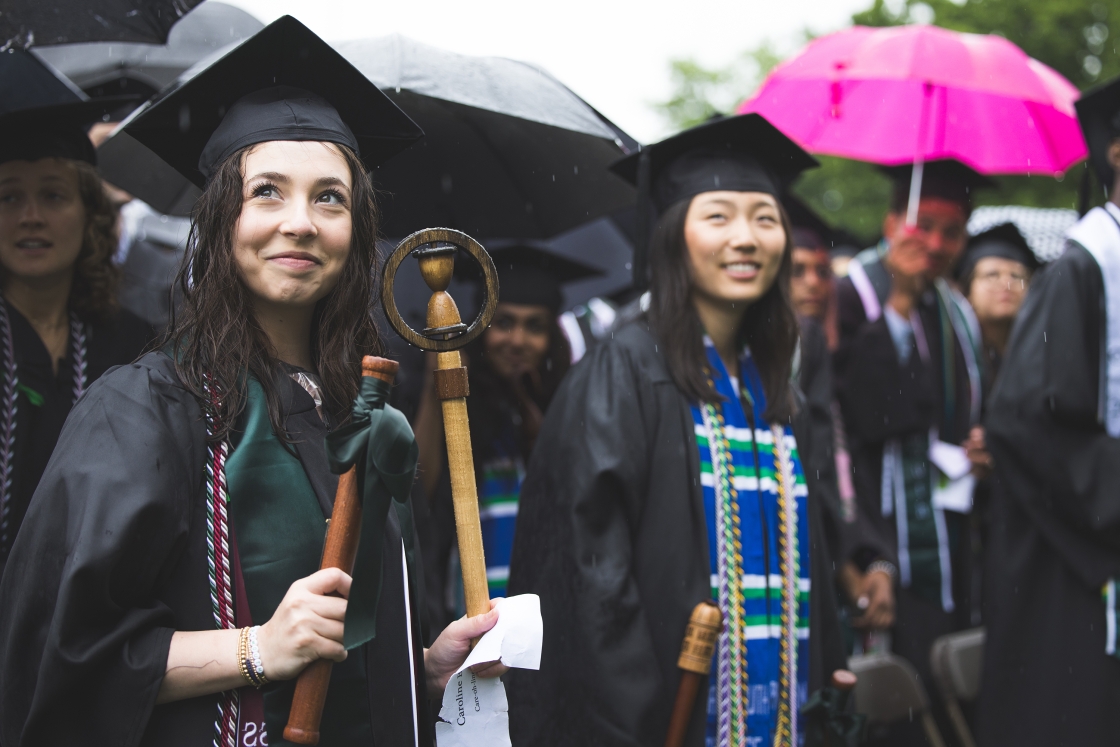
(695, 662)
(435, 250)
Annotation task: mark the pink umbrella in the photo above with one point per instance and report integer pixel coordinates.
(920, 93)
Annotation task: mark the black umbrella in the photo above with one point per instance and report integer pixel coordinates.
(106, 68)
(27, 23)
(508, 151)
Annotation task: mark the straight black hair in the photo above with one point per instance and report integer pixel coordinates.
(769, 326)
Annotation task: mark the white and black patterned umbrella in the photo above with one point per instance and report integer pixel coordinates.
(1043, 228)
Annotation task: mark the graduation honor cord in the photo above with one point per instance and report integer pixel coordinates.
(732, 700)
(10, 406)
(218, 557)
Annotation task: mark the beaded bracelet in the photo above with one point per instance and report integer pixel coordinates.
(243, 655)
(254, 653)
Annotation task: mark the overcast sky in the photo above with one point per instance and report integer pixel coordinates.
(613, 53)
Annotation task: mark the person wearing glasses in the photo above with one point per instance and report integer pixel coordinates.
(994, 274)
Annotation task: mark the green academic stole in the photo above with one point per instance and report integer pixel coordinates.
(280, 529)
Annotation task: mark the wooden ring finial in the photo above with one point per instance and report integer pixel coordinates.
(435, 249)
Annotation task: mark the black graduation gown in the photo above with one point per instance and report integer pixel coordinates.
(112, 560)
(1056, 536)
(814, 377)
(611, 534)
(45, 398)
(880, 399)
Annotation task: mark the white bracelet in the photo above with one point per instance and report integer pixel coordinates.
(883, 566)
(255, 654)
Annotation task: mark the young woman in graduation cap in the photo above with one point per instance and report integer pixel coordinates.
(994, 274)
(668, 471)
(515, 369)
(60, 324)
(136, 609)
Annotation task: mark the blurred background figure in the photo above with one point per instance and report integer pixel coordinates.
(514, 369)
(907, 379)
(994, 275)
(812, 286)
(60, 323)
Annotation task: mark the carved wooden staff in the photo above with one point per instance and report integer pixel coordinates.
(339, 551)
(695, 661)
(435, 250)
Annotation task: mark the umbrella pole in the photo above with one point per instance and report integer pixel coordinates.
(915, 193)
(919, 159)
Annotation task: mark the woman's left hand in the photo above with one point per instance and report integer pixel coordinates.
(450, 650)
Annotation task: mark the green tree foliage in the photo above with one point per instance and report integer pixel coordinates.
(1078, 38)
(700, 92)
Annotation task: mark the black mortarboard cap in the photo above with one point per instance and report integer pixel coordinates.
(531, 272)
(744, 153)
(1098, 111)
(1004, 241)
(41, 114)
(283, 83)
(946, 178)
(740, 154)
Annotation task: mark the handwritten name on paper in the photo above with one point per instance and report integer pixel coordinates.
(475, 711)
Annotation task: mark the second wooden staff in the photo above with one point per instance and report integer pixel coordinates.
(697, 649)
(339, 551)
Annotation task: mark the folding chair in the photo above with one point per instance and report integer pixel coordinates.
(957, 660)
(889, 690)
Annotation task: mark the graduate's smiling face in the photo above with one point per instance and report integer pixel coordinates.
(517, 339)
(735, 245)
(42, 217)
(293, 235)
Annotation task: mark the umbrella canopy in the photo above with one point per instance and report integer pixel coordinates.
(922, 93)
(26, 23)
(508, 152)
(110, 67)
(1043, 228)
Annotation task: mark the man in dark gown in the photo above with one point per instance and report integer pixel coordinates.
(907, 377)
(1051, 675)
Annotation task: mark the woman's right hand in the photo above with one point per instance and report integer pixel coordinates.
(306, 626)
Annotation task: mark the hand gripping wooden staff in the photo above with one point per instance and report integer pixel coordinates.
(435, 250)
(339, 551)
(695, 661)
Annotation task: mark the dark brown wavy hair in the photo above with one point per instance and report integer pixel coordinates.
(93, 293)
(769, 326)
(214, 334)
